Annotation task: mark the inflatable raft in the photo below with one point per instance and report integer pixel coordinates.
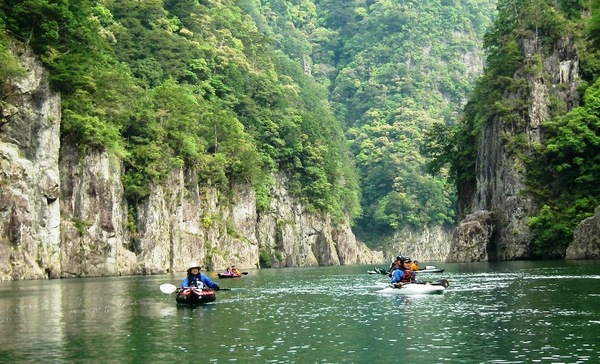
(195, 296)
(417, 288)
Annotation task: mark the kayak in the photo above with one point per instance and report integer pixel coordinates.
(231, 275)
(195, 296)
(427, 269)
(378, 270)
(417, 288)
(430, 269)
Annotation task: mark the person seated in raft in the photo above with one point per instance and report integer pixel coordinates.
(229, 271)
(235, 271)
(396, 264)
(196, 279)
(404, 274)
(414, 265)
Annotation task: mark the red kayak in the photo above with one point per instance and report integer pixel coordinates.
(230, 275)
(195, 296)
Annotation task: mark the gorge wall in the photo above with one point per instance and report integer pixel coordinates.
(494, 223)
(63, 212)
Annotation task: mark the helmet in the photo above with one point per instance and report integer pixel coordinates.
(193, 265)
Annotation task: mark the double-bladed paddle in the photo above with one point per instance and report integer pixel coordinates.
(168, 288)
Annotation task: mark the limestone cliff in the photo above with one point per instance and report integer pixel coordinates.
(29, 175)
(63, 214)
(500, 191)
(424, 245)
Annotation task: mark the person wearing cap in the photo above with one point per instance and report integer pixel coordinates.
(196, 279)
(395, 265)
(404, 274)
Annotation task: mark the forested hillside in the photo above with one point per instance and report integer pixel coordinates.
(163, 83)
(395, 71)
(404, 67)
(339, 95)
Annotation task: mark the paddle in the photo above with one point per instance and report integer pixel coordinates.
(169, 288)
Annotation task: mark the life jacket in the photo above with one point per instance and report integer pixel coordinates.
(194, 281)
(408, 276)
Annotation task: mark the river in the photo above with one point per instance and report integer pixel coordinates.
(509, 312)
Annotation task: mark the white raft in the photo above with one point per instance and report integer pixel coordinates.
(414, 289)
(430, 269)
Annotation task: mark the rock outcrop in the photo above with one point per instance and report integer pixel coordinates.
(473, 238)
(586, 240)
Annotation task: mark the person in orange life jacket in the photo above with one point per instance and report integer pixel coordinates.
(196, 279)
(235, 271)
(414, 265)
(403, 275)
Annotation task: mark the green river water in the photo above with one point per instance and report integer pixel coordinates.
(510, 312)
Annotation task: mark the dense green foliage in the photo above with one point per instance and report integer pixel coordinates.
(401, 69)
(181, 82)
(568, 181)
(394, 70)
(9, 66)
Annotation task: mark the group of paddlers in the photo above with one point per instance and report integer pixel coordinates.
(402, 271)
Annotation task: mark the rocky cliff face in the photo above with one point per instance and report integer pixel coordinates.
(500, 188)
(473, 238)
(431, 244)
(29, 175)
(63, 214)
(586, 240)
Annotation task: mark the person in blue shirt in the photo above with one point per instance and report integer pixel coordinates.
(396, 264)
(403, 274)
(196, 279)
